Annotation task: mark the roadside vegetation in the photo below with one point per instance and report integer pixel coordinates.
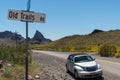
(13, 54)
(12, 63)
(108, 50)
(107, 43)
(17, 72)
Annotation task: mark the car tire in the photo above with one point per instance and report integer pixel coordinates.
(100, 77)
(67, 71)
(76, 75)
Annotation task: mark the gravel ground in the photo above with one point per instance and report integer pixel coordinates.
(53, 67)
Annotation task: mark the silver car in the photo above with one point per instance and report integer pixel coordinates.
(83, 66)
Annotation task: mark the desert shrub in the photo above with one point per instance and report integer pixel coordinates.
(7, 73)
(117, 55)
(107, 50)
(72, 49)
(15, 55)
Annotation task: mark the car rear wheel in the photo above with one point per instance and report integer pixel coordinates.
(67, 71)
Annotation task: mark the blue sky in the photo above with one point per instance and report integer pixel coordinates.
(64, 17)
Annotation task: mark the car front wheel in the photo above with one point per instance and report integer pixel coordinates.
(76, 75)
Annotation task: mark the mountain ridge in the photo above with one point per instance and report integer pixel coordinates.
(79, 42)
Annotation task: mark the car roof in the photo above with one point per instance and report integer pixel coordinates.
(78, 54)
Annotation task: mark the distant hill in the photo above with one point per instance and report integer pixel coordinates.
(10, 35)
(10, 38)
(81, 42)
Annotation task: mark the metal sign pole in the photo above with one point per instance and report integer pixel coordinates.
(26, 59)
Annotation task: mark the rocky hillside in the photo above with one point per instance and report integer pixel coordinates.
(84, 42)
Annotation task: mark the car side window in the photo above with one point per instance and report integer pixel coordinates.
(70, 58)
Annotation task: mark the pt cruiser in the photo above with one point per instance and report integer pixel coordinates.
(83, 66)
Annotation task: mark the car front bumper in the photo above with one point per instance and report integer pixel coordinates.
(91, 74)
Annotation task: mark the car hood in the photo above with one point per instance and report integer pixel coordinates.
(86, 64)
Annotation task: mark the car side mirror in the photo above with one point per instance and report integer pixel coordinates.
(71, 61)
(93, 58)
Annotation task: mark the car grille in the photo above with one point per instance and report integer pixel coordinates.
(93, 68)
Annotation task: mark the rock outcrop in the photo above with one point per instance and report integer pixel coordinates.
(39, 37)
(97, 31)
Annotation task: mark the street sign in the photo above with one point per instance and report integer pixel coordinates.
(30, 16)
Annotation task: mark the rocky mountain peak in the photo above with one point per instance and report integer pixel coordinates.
(39, 37)
(97, 31)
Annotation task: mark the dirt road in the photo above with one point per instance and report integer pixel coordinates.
(53, 65)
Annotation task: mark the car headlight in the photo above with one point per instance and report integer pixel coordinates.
(79, 68)
(98, 66)
(84, 68)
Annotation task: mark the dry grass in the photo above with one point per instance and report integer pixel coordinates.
(18, 71)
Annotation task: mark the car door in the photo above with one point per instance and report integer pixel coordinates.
(68, 63)
(71, 64)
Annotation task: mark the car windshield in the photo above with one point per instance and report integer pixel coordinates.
(83, 59)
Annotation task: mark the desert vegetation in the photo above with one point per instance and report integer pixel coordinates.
(12, 63)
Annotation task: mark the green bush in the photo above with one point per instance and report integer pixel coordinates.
(107, 50)
(15, 55)
(117, 55)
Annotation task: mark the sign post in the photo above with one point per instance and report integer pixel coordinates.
(26, 16)
(26, 58)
